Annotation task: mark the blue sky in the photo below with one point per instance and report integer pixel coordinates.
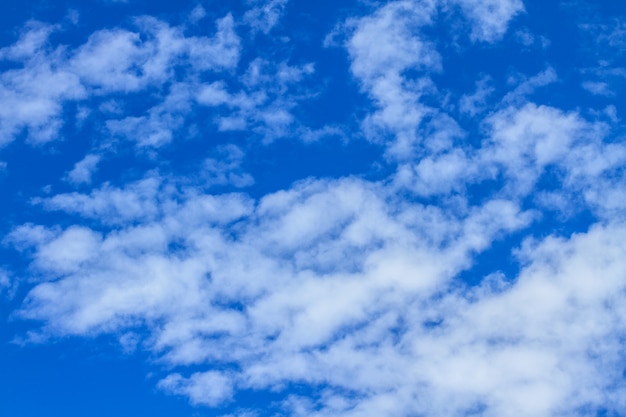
(285, 208)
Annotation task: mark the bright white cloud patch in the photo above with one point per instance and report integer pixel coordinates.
(111, 61)
(475, 266)
(32, 96)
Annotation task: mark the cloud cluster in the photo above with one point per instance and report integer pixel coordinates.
(307, 279)
(111, 61)
(109, 72)
(362, 302)
(33, 96)
(351, 287)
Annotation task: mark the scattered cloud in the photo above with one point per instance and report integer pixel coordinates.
(476, 102)
(490, 18)
(264, 17)
(353, 288)
(207, 388)
(598, 88)
(382, 48)
(33, 95)
(111, 61)
(263, 104)
(225, 168)
(84, 169)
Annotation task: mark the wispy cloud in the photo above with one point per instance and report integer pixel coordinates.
(263, 17)
(490, 19)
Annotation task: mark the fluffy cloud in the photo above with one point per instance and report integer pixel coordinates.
(308, 279)
(33, 96)
(353, 287)
(384, 46)
(390, 44)
(119, 60)
(343, 288)
(111, 204)
(156, 57)
(111, 61)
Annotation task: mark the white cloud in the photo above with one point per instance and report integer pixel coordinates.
(390, 42)
(602, 51)
(526, 141)
(440, 174)
(84, 169)
(162, 121)
(112, 60)
(214, 94)
(611, 33)
(521, 144)
(397, 47)
(311, 264)
(382, 47)
(526, 38)
(527, 86)
(207, 388)
(598, 88)
(351, 298)
(151, 56)
(264, 104)
(119, 60)
(264, 17)
(226, 169)
(220, 52)
(475, 103)
(344, 282)
(111, 204)
(67, 252)
(490, 18)
(32, 41)
(198, 13)
(33, 95)
(351, 287)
